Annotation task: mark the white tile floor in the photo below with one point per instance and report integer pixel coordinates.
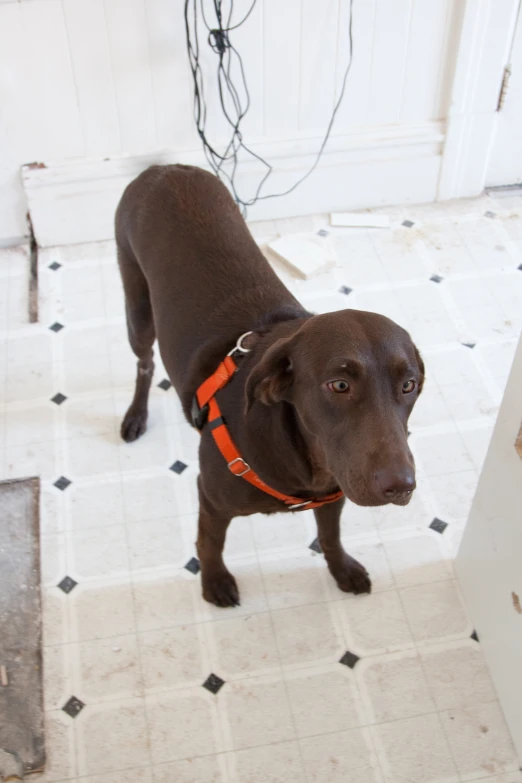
(129, 646)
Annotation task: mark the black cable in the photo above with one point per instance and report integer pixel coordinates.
(218, 39)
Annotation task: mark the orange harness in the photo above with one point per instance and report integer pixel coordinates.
(205, 409)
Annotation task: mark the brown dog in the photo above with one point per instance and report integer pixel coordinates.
(320, 402)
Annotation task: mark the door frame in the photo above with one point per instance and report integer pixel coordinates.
(486, 35)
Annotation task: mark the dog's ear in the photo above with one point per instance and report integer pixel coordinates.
(420, 364)
(271, 378)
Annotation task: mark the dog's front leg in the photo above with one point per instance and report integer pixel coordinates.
(219, 586)
(351, 576)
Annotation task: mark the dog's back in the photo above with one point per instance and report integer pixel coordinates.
(189, 265)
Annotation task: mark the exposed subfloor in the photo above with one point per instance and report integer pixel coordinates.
(129, 642)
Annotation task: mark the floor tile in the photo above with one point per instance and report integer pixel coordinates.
(59, 735)
(57, 684)
(182, 724)
(136, 775)
(294, 581)
(90, 417)
(93, 456)
(280, 761)
(208, 769)
(32, 459)
(394, 687)
(111, 737)
(435, 611)
(324, 700)
(95, 553)
(442, 453)
(153, 497)
(415, 749)
(156, 543)
(457, 675)
(453, 493)
(243, 646)
(95, 505)
(308, 635)
(255, 711)
(417, 559)
(479, 740)
(31, 424)
(340, 757)
(106, 669)
(100, 612)
(166, 602)
(376, 624)
(173, 657)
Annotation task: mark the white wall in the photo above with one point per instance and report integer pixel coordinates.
(90, 79)
(489, 563)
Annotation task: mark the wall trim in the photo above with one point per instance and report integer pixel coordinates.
(74, 201)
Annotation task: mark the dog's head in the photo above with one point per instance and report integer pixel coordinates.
(353, 378)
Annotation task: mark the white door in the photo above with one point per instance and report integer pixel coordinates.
(505, 163)
(489, 563)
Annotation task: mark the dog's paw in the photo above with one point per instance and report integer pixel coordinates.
(353, 577)
(221, 589)
(133, 425)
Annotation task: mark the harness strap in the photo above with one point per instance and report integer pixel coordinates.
(207, 410)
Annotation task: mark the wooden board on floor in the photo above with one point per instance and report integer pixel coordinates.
(21, 691)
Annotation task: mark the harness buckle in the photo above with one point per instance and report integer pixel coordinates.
(295, 506)
(239, 345)
(198, 415)
(234, 462)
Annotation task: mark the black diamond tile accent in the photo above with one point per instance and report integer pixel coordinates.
(62, 483)
(438, 525)
(56, 327)
(349, 659)
(73, 707)
(322, 232)
(345, 290)
(408, 223)
(58, 398)
(475, 637)
(409, 433)
(67, 584)
(165, 384)
(193, 566)
(469, 345)
(489, 214)
(315, 546)
(436, 279)
(178, 467)
(213, 683)
(519, 267)
(54, 266)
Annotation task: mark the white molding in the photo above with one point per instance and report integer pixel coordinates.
(485, 37)
(6, 242)
(74, 201)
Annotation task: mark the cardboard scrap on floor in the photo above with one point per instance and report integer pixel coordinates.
(307, 255)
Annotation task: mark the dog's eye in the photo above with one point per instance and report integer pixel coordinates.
(408, 387)
(338, 386)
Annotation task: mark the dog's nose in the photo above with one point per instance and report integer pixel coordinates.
(395, 484)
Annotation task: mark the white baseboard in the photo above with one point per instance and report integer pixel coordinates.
(7, 242)
(75, 201)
